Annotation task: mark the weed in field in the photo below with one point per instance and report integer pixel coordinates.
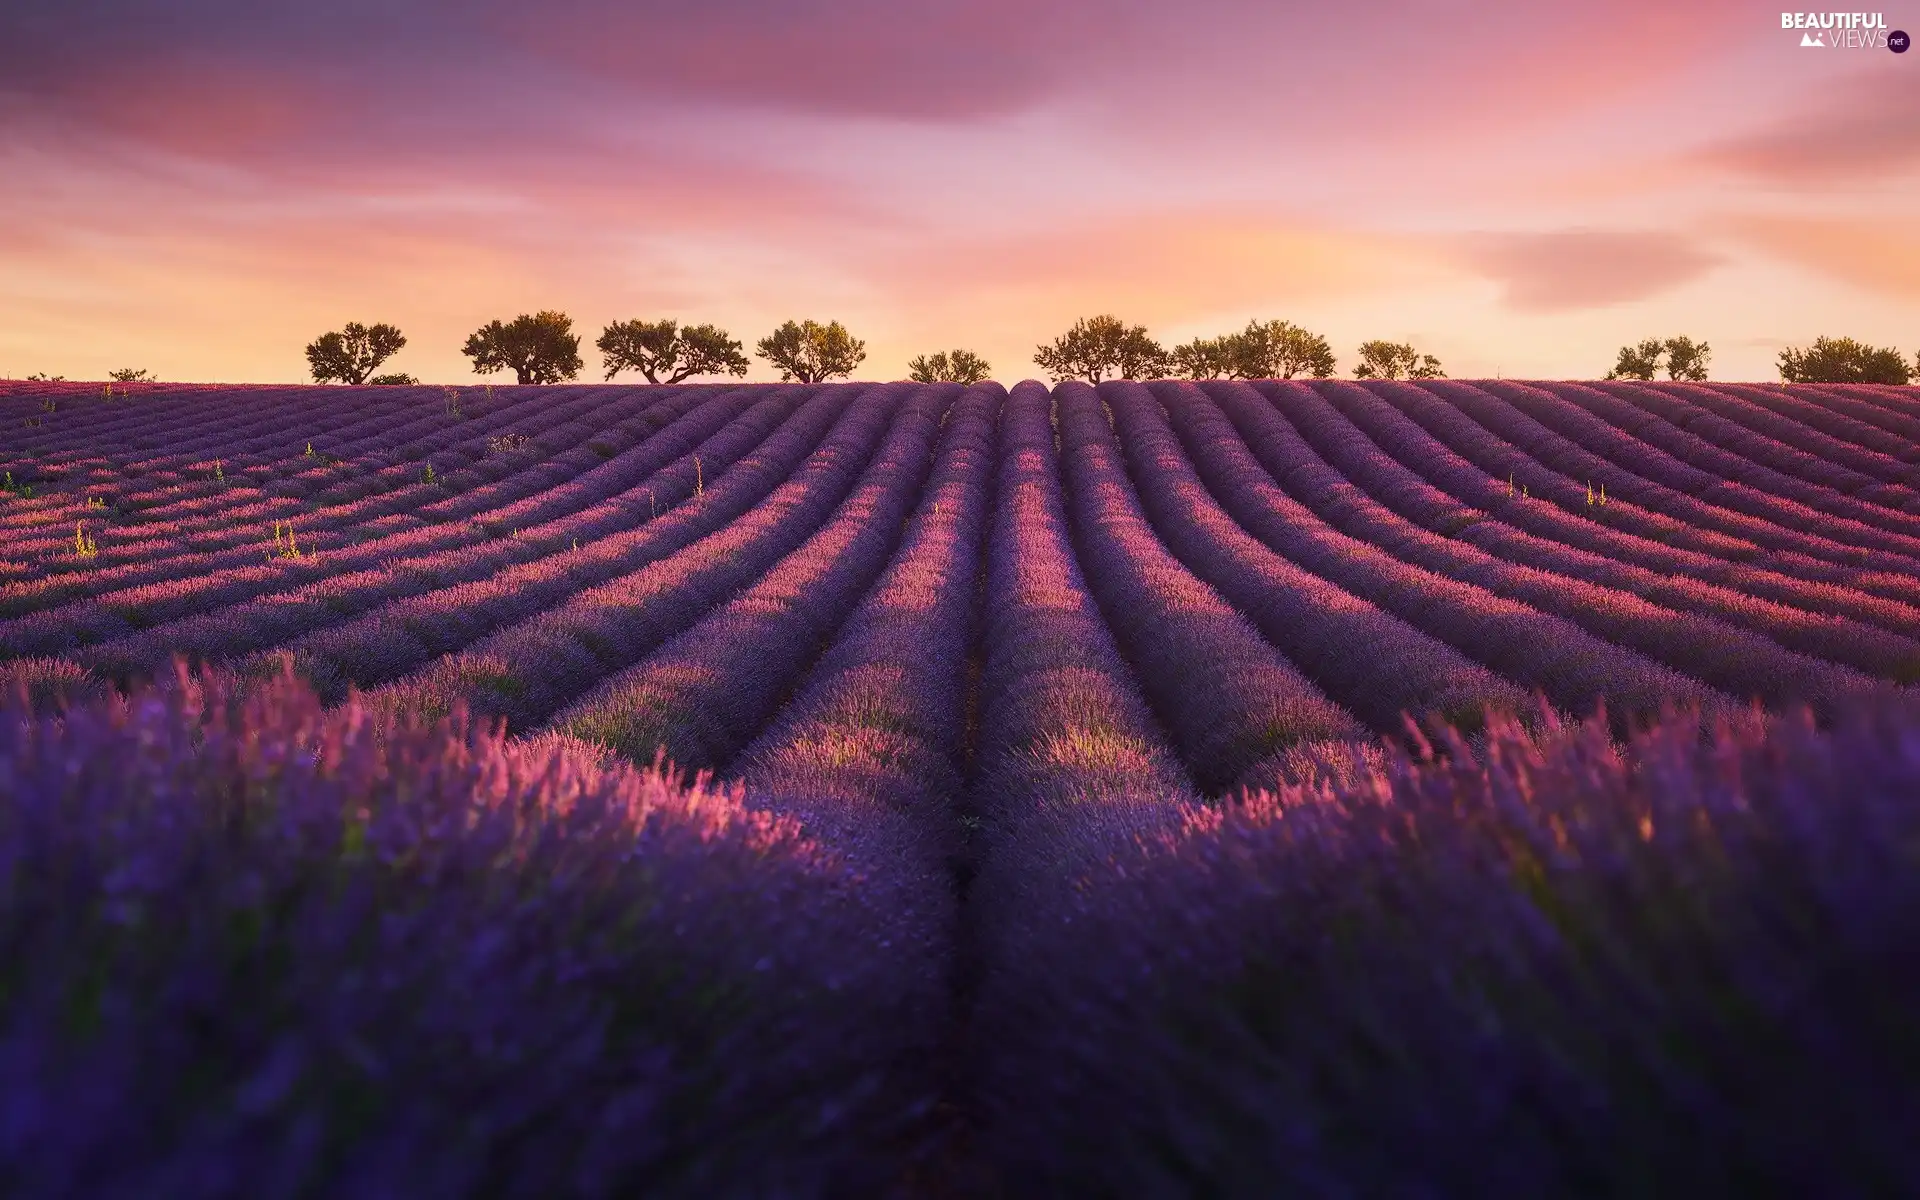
(83, 546)
(505, 443)
(426, 476)
(284, 545)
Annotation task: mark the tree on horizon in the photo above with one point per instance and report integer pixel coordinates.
(351, 354)
(1844, 360)
(540, 348)
(663, 348)
(961, 366)
(809, 352)
(1686, 359)
(1396, 360)
(1096, 345)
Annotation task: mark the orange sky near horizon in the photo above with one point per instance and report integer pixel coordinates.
(202, 187)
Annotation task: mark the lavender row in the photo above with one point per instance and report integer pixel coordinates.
(1636, 472)
(1233, 704)
(531, 669)
(1698, 434)
(1623, 602)
(259, 948)
(701, 697)
(1486, 516)
(396, 487)
(880, 722)
(129, 591)
(1563, 967)
(373, 626)
(1868, 409)
(1550, 468)
(1536, 650)
(1817, 436)
(1741, 663)
(1068, 749)
(349, 581)
(1372, 662)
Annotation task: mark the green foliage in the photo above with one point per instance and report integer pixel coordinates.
(1278, 350)
(1843, 360)
(1686, 359)
(1097, 345)
(809, 352)
(961, 366)
(1395, 360)
(393, 381)
(1638, 362)
(130, 375)
(38, 377)
(1204, 358)
(350, 355)
(538, 348)
(662, 348)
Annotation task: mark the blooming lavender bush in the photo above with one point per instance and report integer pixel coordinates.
(1679, 966)
(253, 948)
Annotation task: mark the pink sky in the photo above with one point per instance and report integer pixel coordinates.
(201, 187)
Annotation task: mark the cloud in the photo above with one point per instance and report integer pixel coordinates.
(1584, 268)
(1880, 256)
(1866, 128)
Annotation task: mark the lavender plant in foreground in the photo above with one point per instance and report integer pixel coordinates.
(1679, 966)
(256, 948)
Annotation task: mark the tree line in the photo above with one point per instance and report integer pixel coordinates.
(541, 348)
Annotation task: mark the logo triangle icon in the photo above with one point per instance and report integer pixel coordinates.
(1810, 39)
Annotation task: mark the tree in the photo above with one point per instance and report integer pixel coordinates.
(1279, 350)
(129, 375)
(1843, 360)
(1395, 360)
(1638, 362)
(352, 354)
(1686, 359)
(541, 348)
(962, 366)
(1100, 344)
(392, 381)
(809, 352)
(656, 348)
(1205, 358)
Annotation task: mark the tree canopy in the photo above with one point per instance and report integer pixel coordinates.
(961, 366)
(352, 353)
(1843, 360)
(1395, 360)
(1280, 350)
(1097, 345)
(666, 353)
(131, 375)
(1686, 359)
(1203, 358)
(392, 381)
(541, 348)
(809, 352)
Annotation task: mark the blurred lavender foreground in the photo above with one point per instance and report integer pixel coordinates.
(253, 948)
(1687, 966)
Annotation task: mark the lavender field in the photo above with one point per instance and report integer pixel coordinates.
(1272, 788)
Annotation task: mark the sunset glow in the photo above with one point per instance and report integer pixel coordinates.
(201, 187)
